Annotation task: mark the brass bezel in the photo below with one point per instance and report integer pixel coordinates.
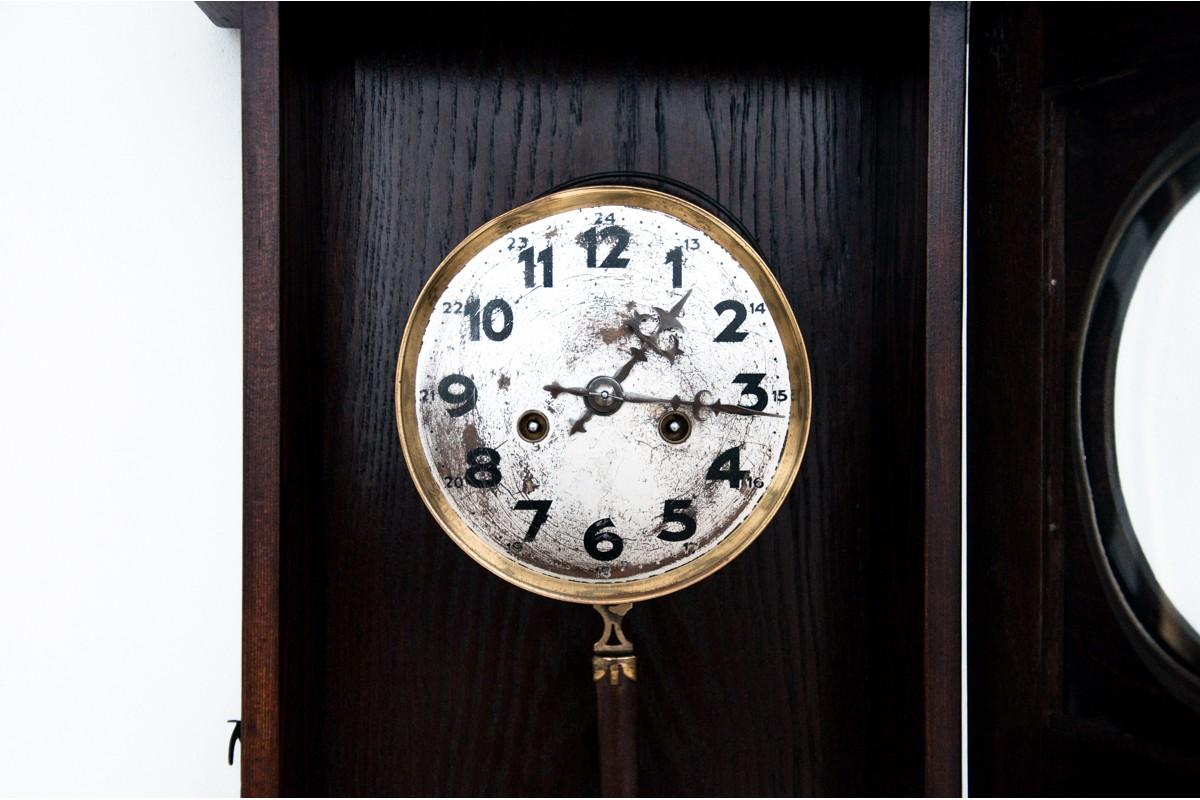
(428, 485)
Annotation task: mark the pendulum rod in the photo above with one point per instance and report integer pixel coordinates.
(614, 671)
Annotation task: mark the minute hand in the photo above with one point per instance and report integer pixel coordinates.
(697, 405)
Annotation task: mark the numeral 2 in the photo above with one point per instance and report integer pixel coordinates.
(613, 260)
(731, 332)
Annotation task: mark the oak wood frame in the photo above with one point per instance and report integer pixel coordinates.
(264, 740)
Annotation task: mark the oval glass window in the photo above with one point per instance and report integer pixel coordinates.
(1138, 417)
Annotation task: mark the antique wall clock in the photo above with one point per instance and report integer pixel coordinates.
(602, 397)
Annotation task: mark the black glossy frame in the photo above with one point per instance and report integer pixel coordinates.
(1161, 635)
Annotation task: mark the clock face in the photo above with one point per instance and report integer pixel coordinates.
(603, 395)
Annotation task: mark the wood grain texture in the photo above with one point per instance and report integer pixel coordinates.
(799, 669)
(1004, 391)
(943, 404)
(261, 401)
(1066, 114)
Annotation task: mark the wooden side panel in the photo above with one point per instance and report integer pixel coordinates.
(942, 638)
(262, 401)
(1066, 113)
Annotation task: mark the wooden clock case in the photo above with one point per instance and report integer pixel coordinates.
(377, 658)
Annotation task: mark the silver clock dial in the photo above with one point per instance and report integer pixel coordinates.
(603, 394)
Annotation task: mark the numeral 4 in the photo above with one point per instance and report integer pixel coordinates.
(728, 467)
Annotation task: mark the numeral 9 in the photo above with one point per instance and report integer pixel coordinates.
(460, 400)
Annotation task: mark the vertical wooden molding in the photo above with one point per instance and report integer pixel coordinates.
(942, 641)
(261, 398)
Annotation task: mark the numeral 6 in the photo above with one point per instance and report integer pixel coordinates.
(596, 535)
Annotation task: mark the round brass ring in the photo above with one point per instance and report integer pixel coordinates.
(637, 589)
(532, 426)
(674, 427)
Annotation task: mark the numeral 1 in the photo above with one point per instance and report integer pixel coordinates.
(675, 259)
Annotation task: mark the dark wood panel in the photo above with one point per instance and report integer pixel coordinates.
(823, 660)
(261, 403)
(942, 659)
(1006, 290)
(1067, 113)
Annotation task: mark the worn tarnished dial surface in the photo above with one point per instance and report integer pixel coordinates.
(601, 393)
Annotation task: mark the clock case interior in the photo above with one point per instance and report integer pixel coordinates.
(380, 660)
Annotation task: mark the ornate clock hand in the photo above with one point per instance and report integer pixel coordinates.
(697, 405)
(648, 341)
(669, 320)
(601, 393)
(636, 354)
(621, 396)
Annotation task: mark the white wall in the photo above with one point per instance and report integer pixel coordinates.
(120, 399)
